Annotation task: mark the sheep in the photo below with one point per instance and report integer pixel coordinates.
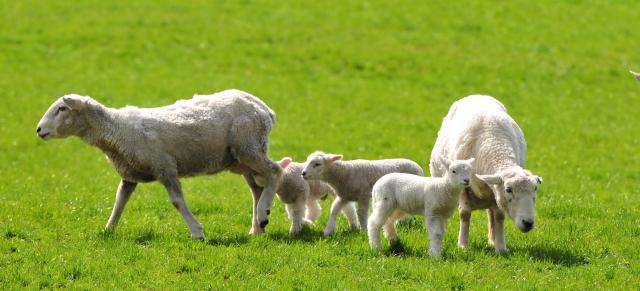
(300, 195)
(204, 135)
(479, 127)
(636, 75)
(397, 195)
(352, 180)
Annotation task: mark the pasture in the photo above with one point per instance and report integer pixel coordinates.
(368, 80)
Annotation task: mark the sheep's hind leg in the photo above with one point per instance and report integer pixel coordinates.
(296, 214)
(125, 189)
(313, 209)
(349, 212)
(336, 206)
(498, 231)
(379, 216)
(389, 227)
(177, 199)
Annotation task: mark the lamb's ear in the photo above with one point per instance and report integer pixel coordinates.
(285, 162)
(637, 75)
(539, 179)
(471, 160)
(490, 179)
(446, 162)
(334, 158)
(75, 102)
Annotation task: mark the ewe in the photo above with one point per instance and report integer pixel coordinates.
(352, 180)
(299, 194)
(397, 195)
(205, 135)
(479, 127)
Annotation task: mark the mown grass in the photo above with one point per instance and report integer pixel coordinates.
(368, 80)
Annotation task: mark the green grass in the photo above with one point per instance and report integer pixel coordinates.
(369, 80)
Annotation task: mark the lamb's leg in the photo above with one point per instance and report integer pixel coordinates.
(498, 232)
(435, 227)
(363, 211)
(296, 214)
(463, 235)
(379, 216)
(177, 198)
(336, 206)
(491, 224)
(271, 172)
(389, 227)
(349, 212)
(313, 209)
(125, 189)
(256, 191)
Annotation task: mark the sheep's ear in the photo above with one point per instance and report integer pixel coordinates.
(285, 162)
(334, 158)
(75, 102)
(471, 160)
(637, 75)
(490, 179)
(446, 162)
(539, 179)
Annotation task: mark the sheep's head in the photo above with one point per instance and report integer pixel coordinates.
(63, 117)
(458, 171)
(317, 163)
(515, 192)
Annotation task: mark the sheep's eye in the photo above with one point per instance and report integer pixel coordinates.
(61, 108)
(454, 171)
(509, 190)
(316, 165)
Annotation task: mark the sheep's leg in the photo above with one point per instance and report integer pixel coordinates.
(125, 189)
(491, 224)
(296, 214)
(363, 211)
(256, 191)
(272, 173)
(336, 206)
(389, 227)
(177, 199)
(498, 232)
(435, 227)
(379, 216)
(349, 212)
(463, 235)
(313, 209)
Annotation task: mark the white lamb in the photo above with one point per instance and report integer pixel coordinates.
(301, 196)
(352, 180)
(479, 127)
(205, 135)
(397, 195)
(636, 75)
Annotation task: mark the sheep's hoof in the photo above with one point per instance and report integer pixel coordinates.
(263, 224)
(197, 237)
(502, 252)
(256, 231)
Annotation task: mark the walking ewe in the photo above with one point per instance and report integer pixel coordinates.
(397, 195)
(204, 135)
(352, 180)
(479, 127)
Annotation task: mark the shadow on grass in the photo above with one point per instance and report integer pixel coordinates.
(557, 256)
(309, 235)
(229, 240)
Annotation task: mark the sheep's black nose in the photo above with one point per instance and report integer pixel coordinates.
(527, 224)
(38, 130)
(304, 174)
(466, 181)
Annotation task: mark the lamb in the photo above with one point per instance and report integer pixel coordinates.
(636, 75)
(479, 127)
(207, 134)
(300, 195)
(352, 180)
(397, 195)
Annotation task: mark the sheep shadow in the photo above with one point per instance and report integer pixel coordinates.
(228, 240)
(310, 236)
(557, 256)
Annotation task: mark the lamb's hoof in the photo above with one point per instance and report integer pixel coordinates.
(502, 252)
(256, 231)
(197, 237)
(307, 222)
(327, 233)
(462, 246)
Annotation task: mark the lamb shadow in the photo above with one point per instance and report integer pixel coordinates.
(228, 240)
(307, 235)
(554, 255)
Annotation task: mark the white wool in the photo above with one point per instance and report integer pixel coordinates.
(353, 180)
(207, 134)
(479, 127)
(397, 195)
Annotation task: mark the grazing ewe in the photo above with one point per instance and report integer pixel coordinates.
(397, 195)
(479, 127)
(205, 135)
(299, 194)
(352, 180)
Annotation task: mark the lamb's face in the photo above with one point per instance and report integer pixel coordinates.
(316, 164)
(459, 172)
(61, 118)
(516, 195)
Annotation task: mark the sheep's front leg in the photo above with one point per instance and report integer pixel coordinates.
(313, 209)
(463, 235)
(177, 199)
(256, 191)
(336, 206)
(271, 173)
(125, 189)
(497, 231)
(363, 211)
(435, 226)
(296, 214)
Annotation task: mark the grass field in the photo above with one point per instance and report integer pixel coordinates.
(369, 80)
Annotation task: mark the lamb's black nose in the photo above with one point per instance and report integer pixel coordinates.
(527, 224)
(304, 174)
(38, 130)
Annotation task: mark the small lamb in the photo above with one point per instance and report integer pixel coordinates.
(352, 180)
(398, 195)
(302, 196)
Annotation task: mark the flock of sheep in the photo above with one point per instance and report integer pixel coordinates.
(477, 163)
